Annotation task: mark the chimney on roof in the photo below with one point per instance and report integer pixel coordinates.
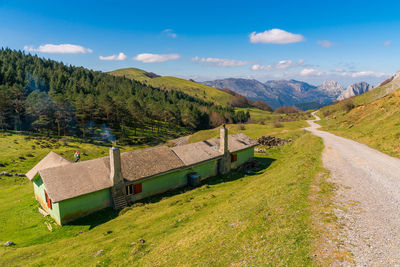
(118, 188)
(225, 161)
(223, 140)
(115, 166)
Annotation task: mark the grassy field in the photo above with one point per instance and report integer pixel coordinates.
(238, 219)
(194, 89)
(252, 130)
(372, 122)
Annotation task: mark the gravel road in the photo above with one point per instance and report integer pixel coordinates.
(368, 196)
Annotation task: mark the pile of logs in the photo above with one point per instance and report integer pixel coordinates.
(272, 141)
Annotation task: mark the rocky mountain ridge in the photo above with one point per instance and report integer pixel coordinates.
(290, 92)
(355, 89)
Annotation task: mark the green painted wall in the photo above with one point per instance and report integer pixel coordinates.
(242, 157)
(160, 183)
(73, 208)
(39, 189)
(207, 169)
(176, 179)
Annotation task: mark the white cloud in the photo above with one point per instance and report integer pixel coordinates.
(310, 72)
(387, 43)
(365, 74)
(281, 65)
(120, 56)
(222, 62)
(59, 49)
(152, 58)
(275, 36)
(342, 73)
(325, 43)
(170, 33)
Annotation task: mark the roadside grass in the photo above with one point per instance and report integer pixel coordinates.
(376, 124)
(263, 116)
(328, 248)
(238, 219)
(194, 89)
(252, 130)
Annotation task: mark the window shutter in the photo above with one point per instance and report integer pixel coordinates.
(48, 200)
(137, 188)
(233, 157)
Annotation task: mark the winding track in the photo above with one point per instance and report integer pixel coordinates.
(369, 182)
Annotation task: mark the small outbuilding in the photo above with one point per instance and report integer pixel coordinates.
(69, 190)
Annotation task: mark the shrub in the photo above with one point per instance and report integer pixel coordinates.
(287, 109)
(277, 124)
(347, 105)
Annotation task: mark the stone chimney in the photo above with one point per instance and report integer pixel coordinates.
(115, 165)
(225, 161)
(223, 140)
(118, 189)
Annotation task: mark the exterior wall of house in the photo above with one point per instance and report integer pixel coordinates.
(39, 190)
(73, 208)
(162, 183)
(159, 184)
(207, 169)
(242, 157)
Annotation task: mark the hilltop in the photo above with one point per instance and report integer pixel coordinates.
(371, 118)
(198, 90)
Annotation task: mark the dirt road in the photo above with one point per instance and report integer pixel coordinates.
(369, 196)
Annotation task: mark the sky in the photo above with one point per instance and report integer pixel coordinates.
(313, 41)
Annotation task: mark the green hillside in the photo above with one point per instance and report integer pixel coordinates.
(232, 220)
(372, 118)
(194, 89)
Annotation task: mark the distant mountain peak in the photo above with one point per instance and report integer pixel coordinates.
(332, 88)
(355, 89)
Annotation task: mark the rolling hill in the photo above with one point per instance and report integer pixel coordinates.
(191, 88)
(372, 118)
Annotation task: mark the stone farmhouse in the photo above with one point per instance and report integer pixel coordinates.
(67, 191)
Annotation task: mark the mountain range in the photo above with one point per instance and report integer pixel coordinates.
(290, 92)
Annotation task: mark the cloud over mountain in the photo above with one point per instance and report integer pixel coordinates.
(222, 62)
(281, 65)
(59, 49)
(153, 58)
(120, 56)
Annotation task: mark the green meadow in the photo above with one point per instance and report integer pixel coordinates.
(239, 219)
(372, 118)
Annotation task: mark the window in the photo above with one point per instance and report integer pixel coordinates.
(129, 189)
(48, 200)
(138, 188)
(233, 157)
(133, 189)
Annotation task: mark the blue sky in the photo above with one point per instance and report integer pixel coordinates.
(313, 41)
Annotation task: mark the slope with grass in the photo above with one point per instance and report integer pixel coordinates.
(198, 90)
(236, 219)
(372, 118)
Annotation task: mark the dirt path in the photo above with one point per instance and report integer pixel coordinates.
(369, 197)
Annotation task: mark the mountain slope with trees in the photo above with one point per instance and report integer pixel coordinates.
(43, 95)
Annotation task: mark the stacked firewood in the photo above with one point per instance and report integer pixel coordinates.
(272, 141)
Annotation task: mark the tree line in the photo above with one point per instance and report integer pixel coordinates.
(43, 95)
